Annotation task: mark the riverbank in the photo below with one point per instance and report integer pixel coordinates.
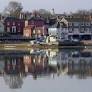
(28, 46)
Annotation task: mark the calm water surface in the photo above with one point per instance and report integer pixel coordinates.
(46, 71)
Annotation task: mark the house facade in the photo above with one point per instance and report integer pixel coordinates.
(14, 26)
(35, 28)
(79, 29)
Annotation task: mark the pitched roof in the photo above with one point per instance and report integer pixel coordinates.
(13, 18)
(78, 20)
(36, 19)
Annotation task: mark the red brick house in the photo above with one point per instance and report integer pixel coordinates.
(35, 28)
(36, 21)
(14, 25)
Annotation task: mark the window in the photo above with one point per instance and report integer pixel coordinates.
(14, 29)
(62, 35)
(34, 31)
(76, 37)
(8, 29)
(82, 24)
(76, 29)
(70, 23)
(82, 30)
(87, 24)
(86, 37)
(70, 30)
(76, 24)
(87, 29)
(39, 31)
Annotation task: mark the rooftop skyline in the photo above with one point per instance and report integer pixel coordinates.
(60, 6)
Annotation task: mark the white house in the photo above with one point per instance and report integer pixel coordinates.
(52, 31)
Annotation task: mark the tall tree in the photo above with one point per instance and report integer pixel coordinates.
(13, 9)
(42, 12)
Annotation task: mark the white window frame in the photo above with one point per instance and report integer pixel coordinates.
(8, 29)
(14, 29)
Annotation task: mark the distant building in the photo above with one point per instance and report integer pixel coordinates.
(78, 28)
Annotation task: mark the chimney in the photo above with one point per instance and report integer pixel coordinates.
(26, 23)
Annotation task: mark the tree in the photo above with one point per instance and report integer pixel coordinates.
(82, 12)
(42, 12)
(45, 13)
(13, 9)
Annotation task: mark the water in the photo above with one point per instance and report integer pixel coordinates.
(46, 70)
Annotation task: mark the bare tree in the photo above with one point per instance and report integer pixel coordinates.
(42, 13)
(13, 9)
(82, 12)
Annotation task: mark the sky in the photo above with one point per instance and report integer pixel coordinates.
(59, 6)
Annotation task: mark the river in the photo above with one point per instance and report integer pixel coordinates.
(50, 70)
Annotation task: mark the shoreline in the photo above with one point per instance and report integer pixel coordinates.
(28, 46)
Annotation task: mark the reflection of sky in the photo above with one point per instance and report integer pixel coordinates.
(59, 5)
(61, 84)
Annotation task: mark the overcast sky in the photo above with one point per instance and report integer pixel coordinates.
(60, 6)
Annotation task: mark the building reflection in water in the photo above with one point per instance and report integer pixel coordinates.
(15, 66)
